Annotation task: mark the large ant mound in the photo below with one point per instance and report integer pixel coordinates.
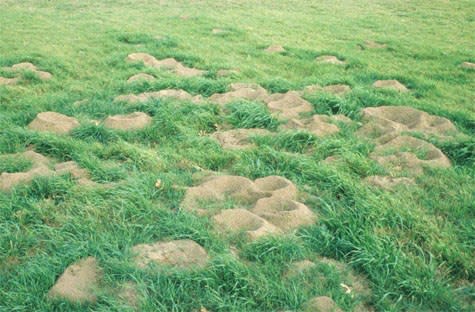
(391, 85)
(246, 91)
(329, 59)
(39, 167)
(241, 220)
(385, 122)
(408, 154)
(133, 121)
(181, 254)
(72, 168)
(335, 89)
(321, 304)
(166, 93)
(389, 183)
(53, 122)
(288, 105)
(319, 125)
(78, 283)
(26, 66)
(284, 213)
(238, 138)
(140, 77)
(165, 64)
(277, 186)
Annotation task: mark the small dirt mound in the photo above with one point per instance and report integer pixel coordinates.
(165, 64)
(321, 304)
(329, 59)
(42, 75)
(275, 49)
(241, 220)
(39, 167)
(128, 294)
(319, 125)
(336, 89)
(238, 138)
(133, 121)
(166, 93)
(140, 77)
(277, 187)
(468, 65)
(181, 254)
(369, 44)
(71, 167)
(226, 72)
(408, 154)
(8, 81)
(246, 91)
(284, 213)
(53, 122)
(386, 122)
(78, 282)
(389, 183)
(391, 85)
(288, 105)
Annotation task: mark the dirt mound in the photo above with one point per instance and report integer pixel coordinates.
(78, 282)
(31, 67)
(391, 85)
(405, 153)
(319, 125)
(38, 168)
(284, 213)
(71, 167)
(369, 44)
(468, 65)
(329, 59)
(140, 77)
(166, 64)
(133, 121)
(238, 138)
(288, 105)
(241, 220)
(275, 49)
(226, 72)
(336, 89)
(246, 91)
(322, 304)
(8, 81)
(385, 122)
(277, 187)
(181, 254)
(166, 93)
(128, 294)
(389, 183)
(53, 122)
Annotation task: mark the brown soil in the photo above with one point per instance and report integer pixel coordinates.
(319, 125)
(468, 65)
(277, 187)
(8, 81)
(53, 122)
(226, 72)
(181, 254)
(78, 282)
(165, 64)
(140, 77)
(31, 67)
(237, 91)
(391, 85)
(329, 59)
(71, 167)
(238, 138)
(336, 89)
(289, 105)
(389, 183)
(275, 49)
(322, 304)
(369, 44)
(133, 121)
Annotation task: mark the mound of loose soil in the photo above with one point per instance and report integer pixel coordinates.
(275, 49)
(78, 282)
(288, 105)
(31, 67)
(71, 167)
(277, 186)
(53, 122)
(251, 92)
(329, 59)
(468, 65)
(166, 64)
(322, 304)
(336, 89)
(369, 44)
(237, 138)
(166, 93)
(181, 254)
(241, 220)
(140, 77)
(8, 81)
(133, 121)
(391, 85)
(389, 183)
(319, 125)
(226, 72)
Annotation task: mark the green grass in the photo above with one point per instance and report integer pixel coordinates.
(414, 246)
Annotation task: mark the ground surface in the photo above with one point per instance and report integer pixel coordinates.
(101, 189)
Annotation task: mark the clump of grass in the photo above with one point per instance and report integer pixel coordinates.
(13, 164)
(95, 133)
(245, 114)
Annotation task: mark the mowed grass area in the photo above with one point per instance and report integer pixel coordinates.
(413, 246)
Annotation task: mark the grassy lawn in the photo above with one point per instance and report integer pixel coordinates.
(405, 249)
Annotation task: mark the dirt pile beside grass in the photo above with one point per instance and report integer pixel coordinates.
(128, 122)
(53, 122)
(166, 64)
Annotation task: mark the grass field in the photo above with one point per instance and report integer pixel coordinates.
(407, 249)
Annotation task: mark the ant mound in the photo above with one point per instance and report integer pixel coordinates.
(78, 282)
(319, 125)
(389, 183)
(166, 64)
(321, 304)
(336, 89)
(289, 105)
(133, 121)
(241, 220)
(468, 65)
(8, 81)
(284, 213)
(39, 167)
(246, 91)
(226, 72)
(238, 138)
(391, 85)
(140, 77)
(401, 155)
(181, 254)
(72, 168)
(275, 49)
(369, 44)
(388, 121)
(329, 59)
(277, 187)
(166, 93)
(53, 122)
(31, 67)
